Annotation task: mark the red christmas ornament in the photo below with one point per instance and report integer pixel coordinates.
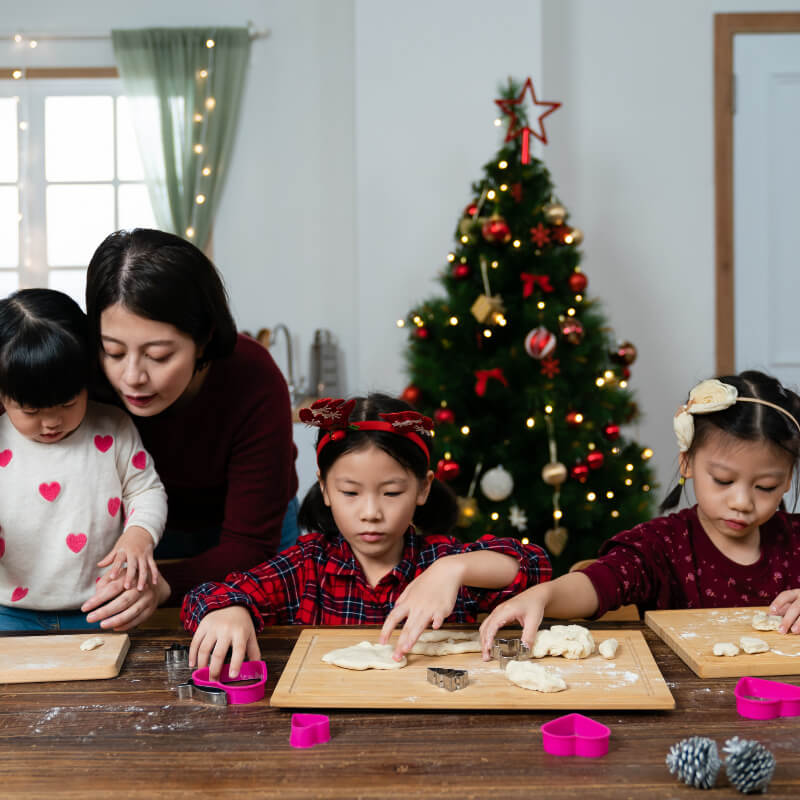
(559, 233)
(447, 470)
(550, 367)
(471, 210)
(611, 431)
(496, 230)
(580, 472)
(516, 191)
(514, 128)
(444, 416)
(460, 271)
(626, 373)
(578, 282)
(595, 459)
(540, 235)
(624, 354)
(422, 332)
(539, 342)
(411, 394)
(574, 419)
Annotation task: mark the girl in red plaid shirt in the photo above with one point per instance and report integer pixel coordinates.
(364, 561)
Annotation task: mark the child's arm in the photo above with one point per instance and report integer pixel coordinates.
(134, 547)
(787, 604)
(571, 595)
(431, 596)
(227, 628)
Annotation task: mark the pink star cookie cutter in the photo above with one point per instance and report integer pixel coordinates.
(309, 730)
(757, 698)
(237, 695)
(575, 735)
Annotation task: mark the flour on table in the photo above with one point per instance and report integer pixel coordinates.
(534, 676)
(364, 655)
(766, 622)
(750, 644)
(725, 649)
(437, 643)
(90, 644)
(608, 648)
(570, 641)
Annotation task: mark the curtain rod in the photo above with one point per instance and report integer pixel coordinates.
(20, 36)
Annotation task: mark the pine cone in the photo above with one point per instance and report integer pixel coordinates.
(749, 765)
(695, 761)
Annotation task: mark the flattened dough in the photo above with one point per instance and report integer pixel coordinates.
(533, 676)
(750, 644)
(766, 622)
(725, 649)
(445, 635)
(608, 648)
(90, 644)
(364, 655)
(570, 641)
(438, 643)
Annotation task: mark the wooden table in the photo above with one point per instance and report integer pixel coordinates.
(131, 737)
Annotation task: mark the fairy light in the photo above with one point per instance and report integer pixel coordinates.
(615, 451)
(495, 264)
(451, 257)
(503, 187)
(501, 320)
(548, 409)
(16, 74)
(17, 37)
(571, 312)
(498, 122)
(525, 540)
(557, 514)
(591, 446)
(487, 333)
(190, 232)
(198, 148)
(591, 497)
(198, 117)
(401, 323)
(465, 430)
(610, 495)
(608, 374)
(453, 321)
(203, 73)
(600, 382)
(417, 319)
(578, 418)
(629, 481)
(206, 171)
(530, 422)
(463, 259)
(23, 126)
(502, 164)
(646, 487)
(211, 103)
(647, 454)
(491, 194)
(517, 243)
(623, 384)
(615, 513)
(495, 516)
(210, 43)
(464, 239)
(448, 455)
(200, 199)
(540, 305)
(578, 298)
(629, 467)
(33, 44)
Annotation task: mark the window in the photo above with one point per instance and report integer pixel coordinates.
(70, 173)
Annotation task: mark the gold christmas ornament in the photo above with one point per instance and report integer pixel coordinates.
(575, 236)
(555, 213)
(485, 308)
(467, 225)
(555, 540)
(554, 473)
(467, 511)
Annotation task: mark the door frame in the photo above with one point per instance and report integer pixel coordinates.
(726, 26)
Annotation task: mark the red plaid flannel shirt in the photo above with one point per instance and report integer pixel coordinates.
(320, 582)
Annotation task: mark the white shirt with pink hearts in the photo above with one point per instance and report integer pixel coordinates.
(64, 505)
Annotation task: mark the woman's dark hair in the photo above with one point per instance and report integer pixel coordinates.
(162, 277)
(44, 349)
(750, 421)
(440, 511)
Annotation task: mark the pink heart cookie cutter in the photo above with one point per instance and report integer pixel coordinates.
(237, 695)
(309, 729)
(757, 698)
(575, 735)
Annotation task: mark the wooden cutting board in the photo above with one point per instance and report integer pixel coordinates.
(32, 659)
(630, 681)
(692, 633)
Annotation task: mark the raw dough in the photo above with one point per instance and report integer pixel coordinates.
(364, 655)
(750, 644)
(725, 649)
(534, 676)
(90, 644)
(608, 648)
(437, 643)
(766, 622)
(570, 641)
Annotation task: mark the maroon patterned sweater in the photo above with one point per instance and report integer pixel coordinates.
(670, 562)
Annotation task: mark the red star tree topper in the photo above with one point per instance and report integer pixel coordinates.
(511, 106)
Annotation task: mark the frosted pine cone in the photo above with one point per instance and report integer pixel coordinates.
(695, 761)
(749, 765)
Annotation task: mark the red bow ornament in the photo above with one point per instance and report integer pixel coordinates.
(530, 282)
(483, 375)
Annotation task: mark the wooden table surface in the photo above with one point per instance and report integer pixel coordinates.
(131, 737)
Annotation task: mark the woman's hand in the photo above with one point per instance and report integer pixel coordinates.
(221, 630)
(428, 599)
(787, 604)
(120, 609)
(526, 608)
(134, 548)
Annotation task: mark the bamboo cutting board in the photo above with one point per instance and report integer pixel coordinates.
(692, 633)
(630, 681)
(33, 659)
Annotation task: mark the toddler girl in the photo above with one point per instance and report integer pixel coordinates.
(739, 442)
(364, 562)
(77, 490)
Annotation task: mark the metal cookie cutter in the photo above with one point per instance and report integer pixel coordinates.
(505, 650)
(450, 679)
(249, 671)
(177, 655)
(205, 694)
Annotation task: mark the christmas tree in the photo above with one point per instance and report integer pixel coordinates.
(519, 369)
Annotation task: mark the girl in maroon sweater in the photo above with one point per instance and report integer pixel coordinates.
(739, 442)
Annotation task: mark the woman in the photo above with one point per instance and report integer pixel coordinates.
(210, 404)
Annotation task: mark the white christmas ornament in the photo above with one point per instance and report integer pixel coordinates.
(497, 483)
(518, 518)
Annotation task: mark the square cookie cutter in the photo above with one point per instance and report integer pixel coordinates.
(450, 679)
(505, 650)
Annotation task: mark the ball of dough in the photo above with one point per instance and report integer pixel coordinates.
(608, 648)
(570, 641)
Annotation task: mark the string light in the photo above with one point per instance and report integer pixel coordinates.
(525, 540)
(610, 495)
(570, 312)
(464, 239)
(615, 451)
(548, 409)
(487, 333)
(453, 321)
(451, 257)
(495, 264)
(615, 513)
(503, 187)
(418, 321)
(498, 122)
(33, 44)
(646, 487)
(629, 481)
(600, 382)
(530, 422)
(647, 453)
(540, 305)
(623, 384)
(448, 455)
(203, 73)
(578, 298)
(578, 418)
(210, 103)
(503, 164)
(198, 148)
(16, 74)
(465, 430)
(463, 259)
(591, 497)
(200, 199)
(495, 516)
(190, 233)
(591, 446)
(17, 37)
(23, 126)
(210, 43)
(629, 467)
(206, 171)
(491, 194)
(557, 514)
(517, 242)
(198, 117)
(401, 323)
(608, 374)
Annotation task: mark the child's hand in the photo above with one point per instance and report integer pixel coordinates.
(428, 599)
(220, 630)
(527, 608)
(135, 547)
(787, 604)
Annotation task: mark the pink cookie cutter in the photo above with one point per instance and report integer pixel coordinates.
(757, 698)
(309, 729)
(575, 735)
(237, 695)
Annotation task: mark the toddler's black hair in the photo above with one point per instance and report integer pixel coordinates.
(44, 351)
(750, 421)
(437, 515)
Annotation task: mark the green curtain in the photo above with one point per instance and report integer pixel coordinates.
(185, 98)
